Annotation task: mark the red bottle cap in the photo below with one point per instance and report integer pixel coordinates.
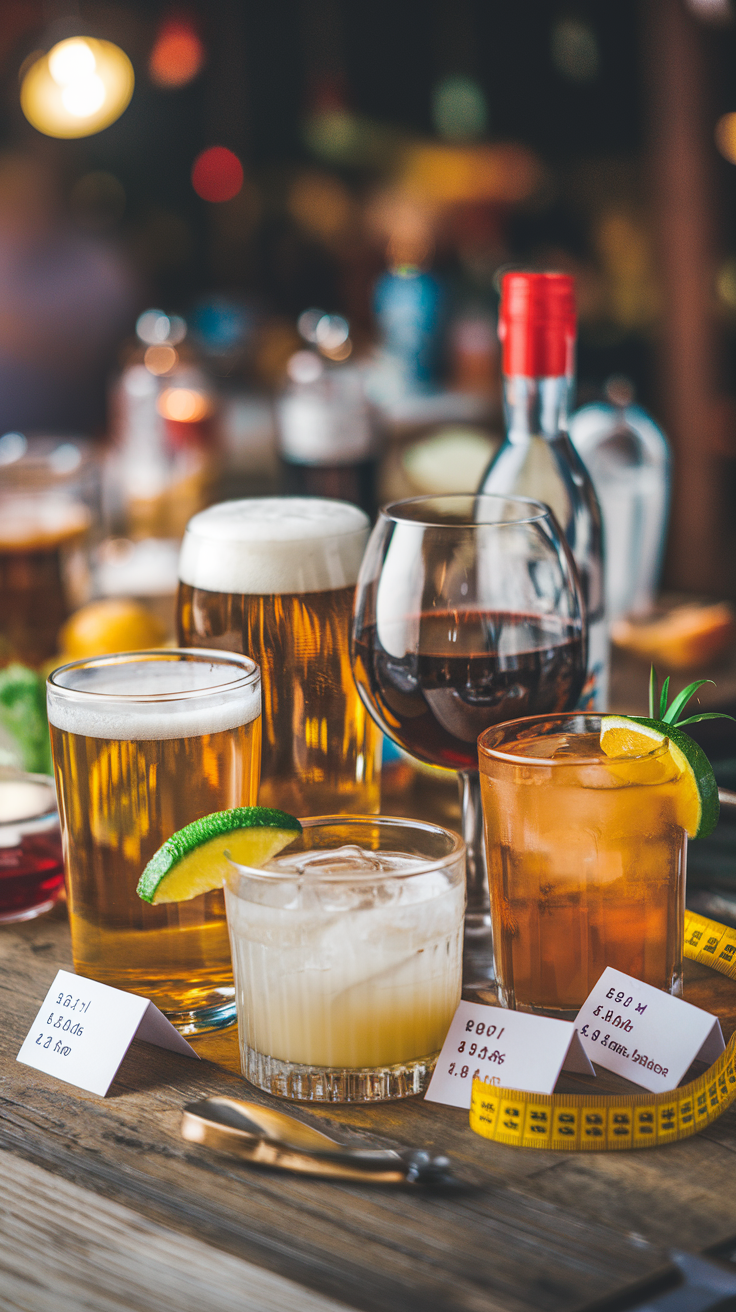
(537, 324)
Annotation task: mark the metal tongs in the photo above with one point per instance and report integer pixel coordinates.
(271, 1138)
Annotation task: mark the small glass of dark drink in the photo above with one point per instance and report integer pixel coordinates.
(31, 862)
(468, 613)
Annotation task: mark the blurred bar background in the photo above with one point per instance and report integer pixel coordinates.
(301, 217)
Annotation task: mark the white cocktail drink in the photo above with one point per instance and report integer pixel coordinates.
(346, 959)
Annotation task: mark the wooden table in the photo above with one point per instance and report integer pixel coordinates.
(104, 1207)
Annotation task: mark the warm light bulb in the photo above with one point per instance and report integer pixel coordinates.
(184, 405)
(70, 61)
(81, 86)
(85, 97)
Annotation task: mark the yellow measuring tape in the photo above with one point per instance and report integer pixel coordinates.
(582, 1122)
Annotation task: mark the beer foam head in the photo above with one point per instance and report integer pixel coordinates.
(133, 698)
(274, 545)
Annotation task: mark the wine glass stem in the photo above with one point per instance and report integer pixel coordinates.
(478, 969)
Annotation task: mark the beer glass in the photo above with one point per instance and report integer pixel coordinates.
(586, 862)
(275, 577)
(143, 743)
(468, 612)
(48, 506)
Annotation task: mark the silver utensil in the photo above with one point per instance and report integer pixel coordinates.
(272, 1138)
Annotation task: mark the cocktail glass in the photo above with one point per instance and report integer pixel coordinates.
(143, 743)
(347, 954)
(31, 863)
(586, 862)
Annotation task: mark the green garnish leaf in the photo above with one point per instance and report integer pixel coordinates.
(663, 698)
(706, 715)
(23, 716)
(681, 700)
(671, 714)
(653, 693)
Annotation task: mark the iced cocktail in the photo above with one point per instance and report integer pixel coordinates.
(586, 862)
(347, 954)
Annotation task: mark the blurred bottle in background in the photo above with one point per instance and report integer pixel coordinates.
(473, 354)
(49, 508)
(537, 328)
(164, 460)
(327, 436)
(409, 310)
(628, 459)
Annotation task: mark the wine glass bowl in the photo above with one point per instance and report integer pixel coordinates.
(468, 613)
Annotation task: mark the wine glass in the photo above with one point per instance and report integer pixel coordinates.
(468, 612)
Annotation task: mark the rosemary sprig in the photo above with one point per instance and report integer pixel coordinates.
(671, 714)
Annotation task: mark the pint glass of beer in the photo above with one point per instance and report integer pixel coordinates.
(274, 577)
(144, 743)
(48, 506)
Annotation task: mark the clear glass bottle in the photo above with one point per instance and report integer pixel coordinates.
(537, 328)
(326, 435)
(628, 458)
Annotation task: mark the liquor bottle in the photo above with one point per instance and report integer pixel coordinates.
(628, 458)
(326, 435)
(537, 328)
(408, 303)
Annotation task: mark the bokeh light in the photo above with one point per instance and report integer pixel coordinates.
(156, 328)
(304, 367)
(160, 359)
(726, 137)
(575, 50)
(459, 109)
(726, 284)
(80, 87)
(217, 175)
(184, 405)
(331, 332)
(178, 53)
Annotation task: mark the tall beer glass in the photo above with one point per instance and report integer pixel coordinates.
(144, 743)
(274, 577)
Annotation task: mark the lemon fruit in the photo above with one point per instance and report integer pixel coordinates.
(195, 859)
(110, 625)
(698, 806)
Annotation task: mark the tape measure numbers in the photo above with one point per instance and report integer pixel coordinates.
(710, 943)
(581, 1122)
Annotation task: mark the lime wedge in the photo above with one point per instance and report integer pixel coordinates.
(195, 859)
(698, 805)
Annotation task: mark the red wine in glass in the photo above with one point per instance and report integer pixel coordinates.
(472, 669)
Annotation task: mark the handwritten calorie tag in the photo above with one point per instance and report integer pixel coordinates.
(84, 1029)
(510, 1049)
(644, 1034)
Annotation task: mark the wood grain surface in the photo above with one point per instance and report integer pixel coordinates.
(63, 1249)
(522, 1230)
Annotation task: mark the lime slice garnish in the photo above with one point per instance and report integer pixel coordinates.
(195, 859)
(698, 805)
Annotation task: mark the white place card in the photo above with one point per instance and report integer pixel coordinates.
(510, 1049)
(84, 1029)
(644, 1034)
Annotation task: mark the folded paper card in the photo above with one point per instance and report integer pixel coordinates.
(644, 1034)
(510, 1049)
(84, 1029)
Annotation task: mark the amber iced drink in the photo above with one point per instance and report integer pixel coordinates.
(143, 744)
(586, 862)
